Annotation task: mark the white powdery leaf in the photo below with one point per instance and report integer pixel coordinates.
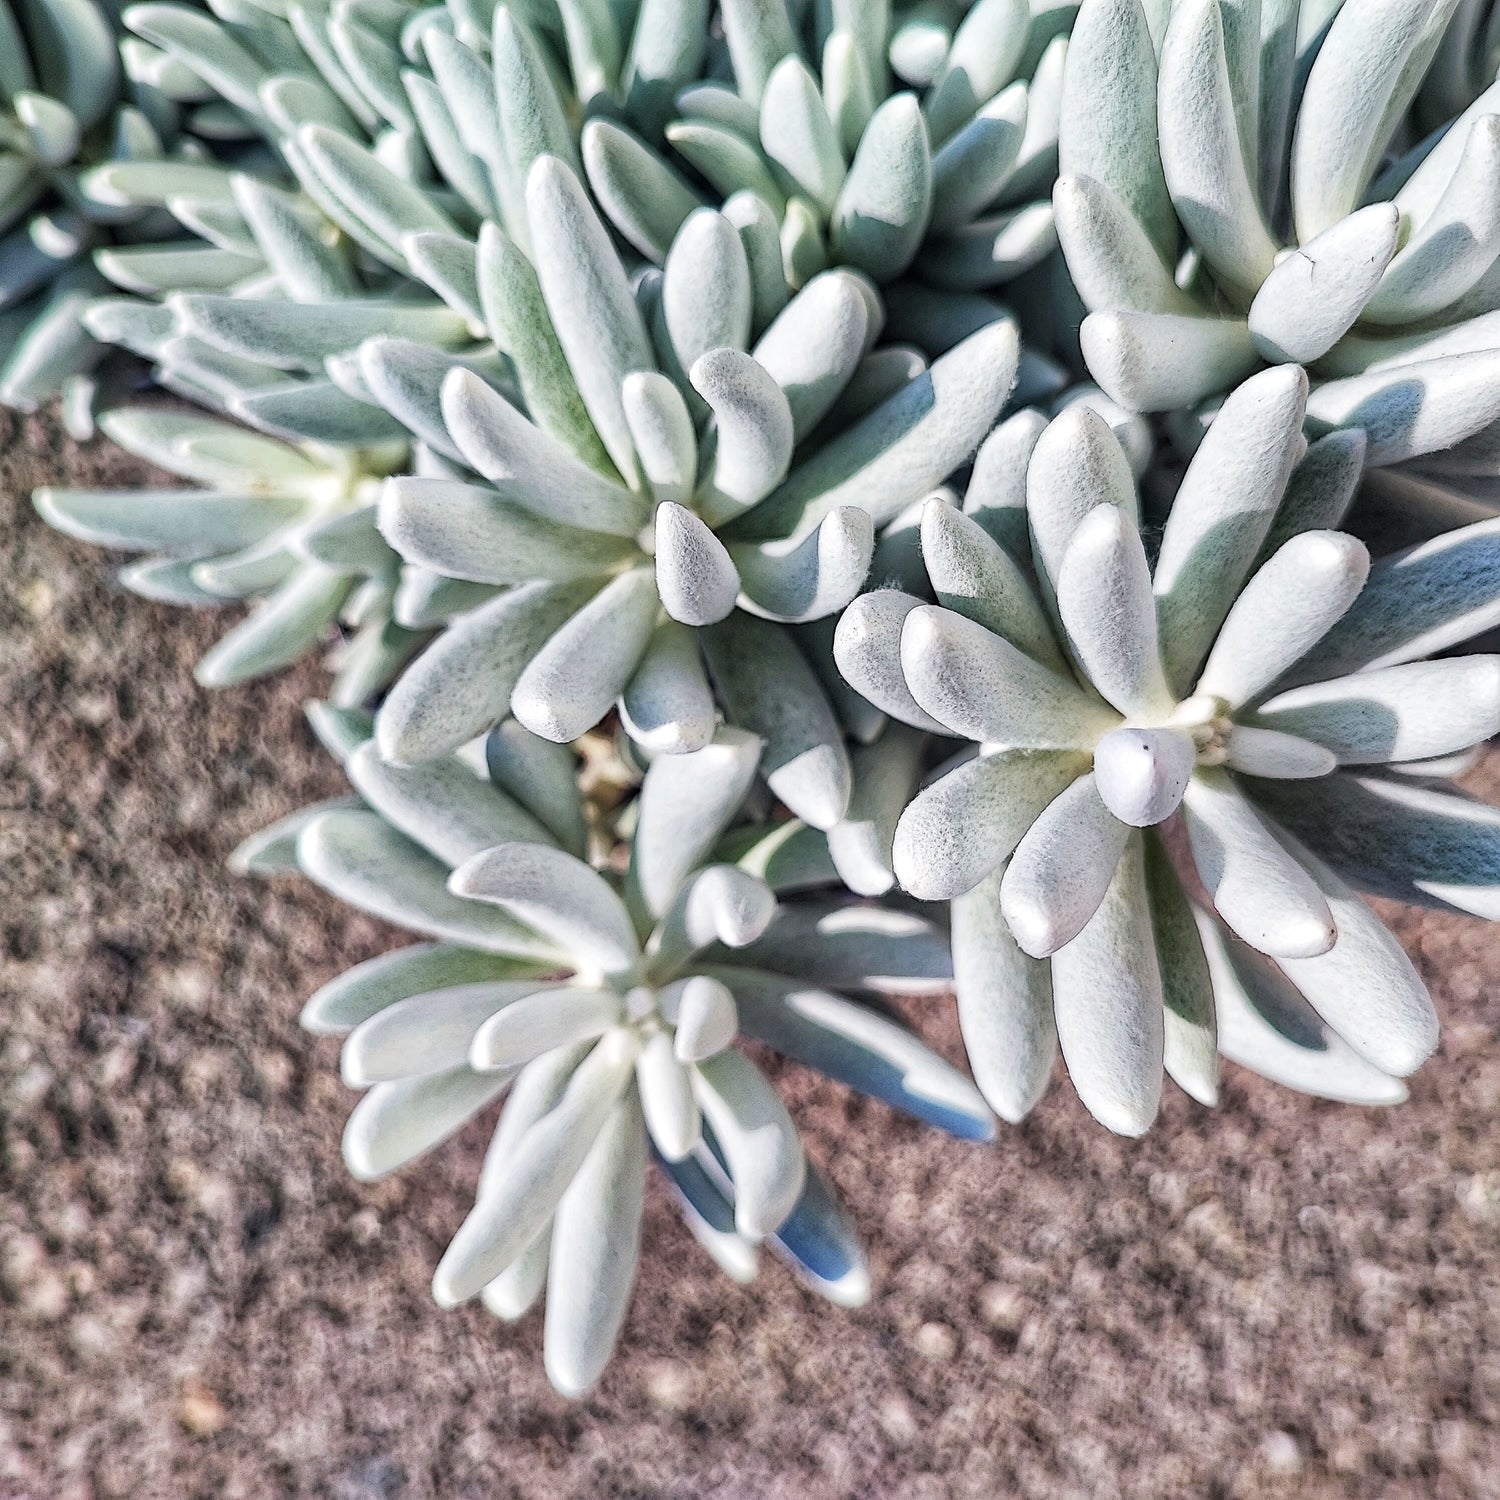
(1222, 514)
(1259, 890)
(705, 288)
(759, 1141)
(662, 429)
(1365, 986)
(1286, 608)
(666, 1090)
(442, 805)
(397, 1122)
(596, 318)
(1105, 601)
(882, 210)
(696, 576)
(1265, 752)
(1107, 1000)
(557, 895)
(685, 804)
(814, 370)
(885, 777)
(906, 446)
(959, 828)
(706, 1019)
(572, 681)
(867, 650)
(798, 581)
(279, 630)
(1150, 361)
(1202, 156)
(522, 1191)
(754, 428)
(667, 706)
(1141, 774)
(975, 162)
(767, 687)
(1061, 869)
(471, 532)
(528, 466)
(645, 197)
(1191, 1042)
(1266, 1025)
(1317, 291)
(533, 1024)
(980, 687)
(461, 685)
(1004, 1005)
(427, 1033)
(796, 133)
(1410, 712)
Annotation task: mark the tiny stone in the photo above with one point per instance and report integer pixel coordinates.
(1003, 1306)
(937, 1341)
(37, 598)
(897, 1420)
(364, 1227)
(671, 1385)
(200, 1411)
(1281, 1453)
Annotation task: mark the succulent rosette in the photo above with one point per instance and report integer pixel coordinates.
(918, 142)
(606, 1011)
(1247, 189)
(1253, 677)
(704, 493)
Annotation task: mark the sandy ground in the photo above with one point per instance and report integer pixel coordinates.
(1283, 1297)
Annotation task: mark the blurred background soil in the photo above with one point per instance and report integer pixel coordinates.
(1283, 1297)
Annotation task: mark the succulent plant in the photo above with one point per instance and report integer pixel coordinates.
(1259, 675)
(291, 525)
(65, 104)
(608, 1010)
(675, 517)
(941, 173)
(1240, 191)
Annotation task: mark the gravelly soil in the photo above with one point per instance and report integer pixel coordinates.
(1280, 1298)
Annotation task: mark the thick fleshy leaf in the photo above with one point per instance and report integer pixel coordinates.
(397, 1122)
(1105, 601)
(427, 1033)
(754, 427)
(596, 1241)
(529, 467)
(705, 290)
(461, 685)
(539, 1021)
(278, 631)
(1110, 255)
(1412, 843)
(1191, 1050)
(885, 777)
(767, 687)
(1004, 1004)
(361, 859)
(1289, 605)
(442, 805)
(1061, 869)
(797, 134)
(867, 650)
(814, 372)
(373, 986)
(972, 574)
(557, 895)
(1150, 361)
(987, 46)
(1259, 890)
(979, 686)
(273, 850)
(1223, 512)
(1108, 1002)
(1314, 295)
(1265, 1024)
(696, 578)
(1410, 712)
(666, 1089)
(662, 429)
(819, 1240)
(574, 678)
(522, 1189)
(759, 1141)
(959, 828)
(1141, 774)
(593, 312)
(542, 777)
(645, 197)
(1416, 603)
(1365, 986)
(186, 521)
(704, 1015)
(1264, 752)
(685, 804)
(906, 446)
(799, 581)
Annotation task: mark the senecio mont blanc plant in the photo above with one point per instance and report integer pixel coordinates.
(628, 390)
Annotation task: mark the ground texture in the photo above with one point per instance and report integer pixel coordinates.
(1282, 1297)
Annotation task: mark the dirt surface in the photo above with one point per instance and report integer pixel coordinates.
(1283, 1297)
